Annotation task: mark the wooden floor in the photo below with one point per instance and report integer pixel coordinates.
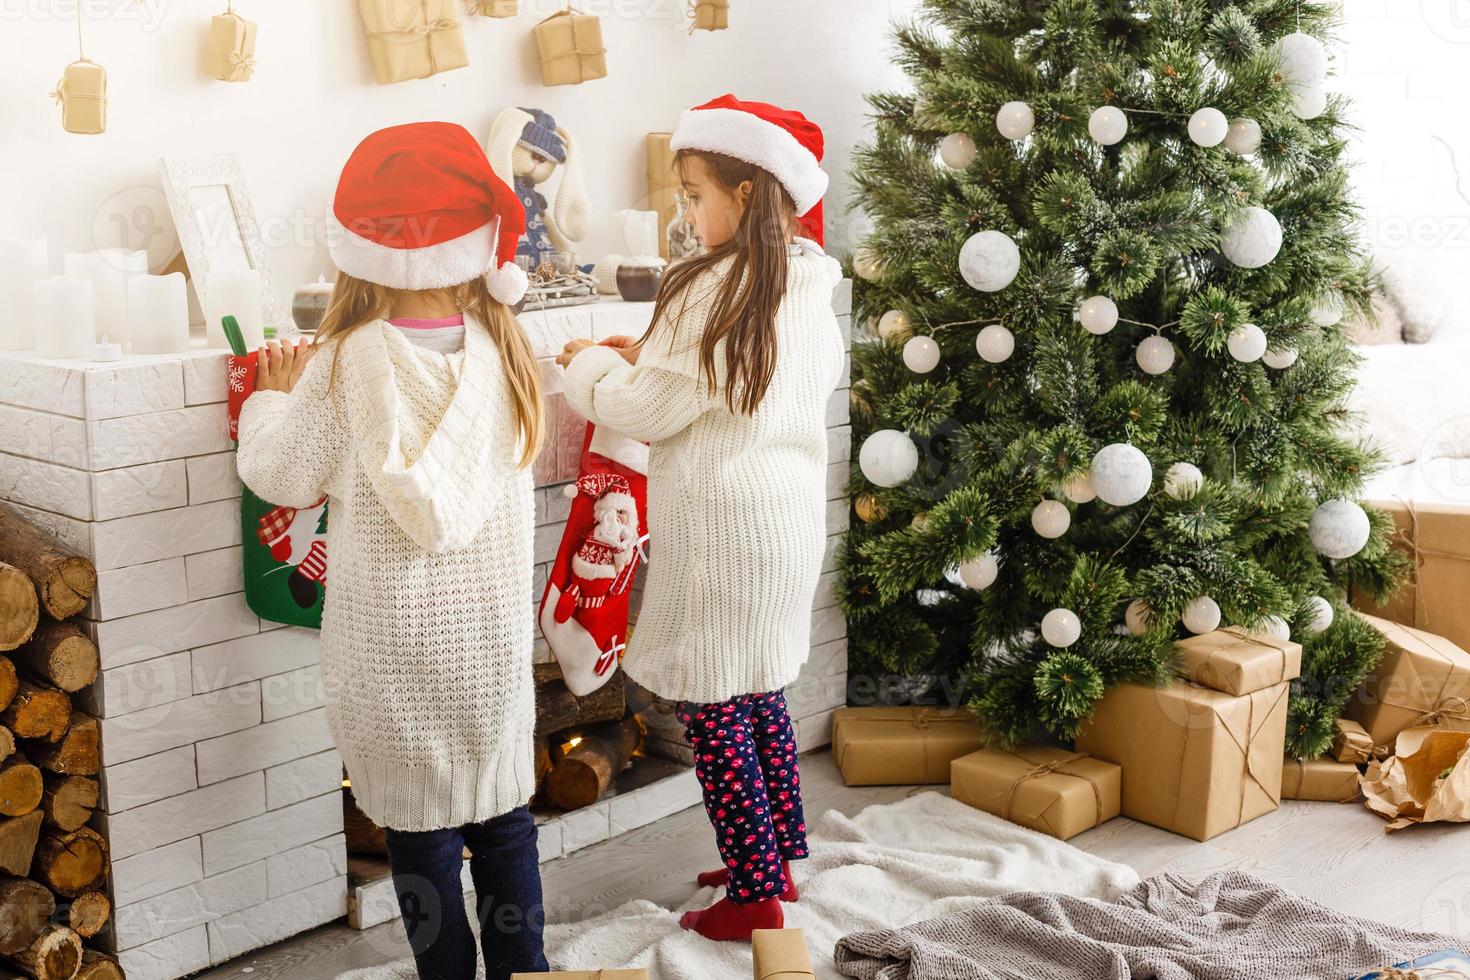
(1336, 854)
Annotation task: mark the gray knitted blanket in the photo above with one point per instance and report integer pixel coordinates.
(1230, 926)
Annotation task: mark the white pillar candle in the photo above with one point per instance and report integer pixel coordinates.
(22, 262)
(236, 293)
(158, 314)
(109, 271)
(65, 325)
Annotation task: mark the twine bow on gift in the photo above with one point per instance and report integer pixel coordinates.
(1244, 639)
(1452, 708)
(416, 32)
(1040, 769)
(241, 65)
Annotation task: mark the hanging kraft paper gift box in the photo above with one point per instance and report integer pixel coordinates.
(229, 54)
(898, 746)
(663, 185)
(413, 38)
(1047, 789)
(1195, 761)
(711, 15)
(569, 46)
(1437, 537)
(1422, 680)
(82, 93)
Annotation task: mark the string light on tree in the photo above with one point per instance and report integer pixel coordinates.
(1328, 312)
(995, 344)
(1108, 125)
(1252, 238)
(1279, 358)
(894, 325)
(1078, 489)
(1320, 615)
(1307, 101)
(1155, 354)
(1182, 480)
(1015, 120)
(888, 457)
(977, 573)
(1121, 474)
(1246, 343)
(1138, 617)
(866, 265)
(1098, 315)
(1273, 628)
(1061, 628)
(1202, 615)
(1208, 127)
(921, 354)
(1302, 59)
(1339, 529)
(957, 151)
(1050, 518)
(989, 261)
(1244, 137)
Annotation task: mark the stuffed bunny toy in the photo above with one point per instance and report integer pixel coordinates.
(525, 148)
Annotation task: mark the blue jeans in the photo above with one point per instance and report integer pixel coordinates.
(507, 875)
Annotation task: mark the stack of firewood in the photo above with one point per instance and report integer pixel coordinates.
(53, 866)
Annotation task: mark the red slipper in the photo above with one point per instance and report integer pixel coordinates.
(725, 920)
(721, 877)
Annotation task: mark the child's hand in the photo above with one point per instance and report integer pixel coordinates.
(571, 350)
(279, 366)
(625, 345)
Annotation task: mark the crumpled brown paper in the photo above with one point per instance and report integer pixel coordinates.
(1426, 780)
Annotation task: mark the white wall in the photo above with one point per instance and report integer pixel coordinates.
(313, 97)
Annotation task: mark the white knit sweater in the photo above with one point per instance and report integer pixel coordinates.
(736, 503)
(427, 626)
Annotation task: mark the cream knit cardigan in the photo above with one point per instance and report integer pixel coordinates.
(427, 626)
(736, 503)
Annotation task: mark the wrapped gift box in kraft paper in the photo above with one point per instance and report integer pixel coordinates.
(1233, 661)
(896, 746)
(1047, 789)
(1422, 680)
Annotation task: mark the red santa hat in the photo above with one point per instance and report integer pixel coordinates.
(781, 141)
(418, 207)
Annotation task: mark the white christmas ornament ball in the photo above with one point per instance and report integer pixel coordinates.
(1121, 474)
(893, 325)
(1321, 612)
(1155, 354)
(1138, 617)
(1328, 313)
(1208, 126)
(1202, 615)
(1079, 489)
(921, 354)
(1303, 58)
(1244, 137)
(1015, 120)
(1098, 315)
(995, 344)
(888, 457)
(865, 263)
(1050, 518)
(1108, 125)
(1246, 343)
(1279, 358)
(979, 573)
(957, 151)
(1252, 239)
(1273, 628)
(1339, 529)
(1308, 101)
(1061, 627)
(1183, 480)
(989, 261)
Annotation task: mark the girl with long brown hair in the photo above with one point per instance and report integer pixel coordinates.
(730, 386)
(418, 417)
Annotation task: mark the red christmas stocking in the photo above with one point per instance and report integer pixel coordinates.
(584, 613)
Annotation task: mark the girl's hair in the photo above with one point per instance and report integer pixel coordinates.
(357, 303)
(744, 313)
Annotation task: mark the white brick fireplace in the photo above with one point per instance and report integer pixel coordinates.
(222, 791)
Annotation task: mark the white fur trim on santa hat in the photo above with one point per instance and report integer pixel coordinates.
(752, 139)
(431, 267)
(508, 283)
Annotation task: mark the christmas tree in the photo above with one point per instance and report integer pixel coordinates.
(1103, 408)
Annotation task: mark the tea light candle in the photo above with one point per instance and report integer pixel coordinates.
(236, 293)
(21, 264)
(106, 350)
(65, 323)
(158, 314)
(109, 270)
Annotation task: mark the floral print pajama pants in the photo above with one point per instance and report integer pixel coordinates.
(745, 758)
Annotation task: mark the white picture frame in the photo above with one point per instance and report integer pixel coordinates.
(216, 224)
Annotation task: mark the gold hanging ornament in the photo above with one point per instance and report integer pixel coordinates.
(82, 92)
(869, 510)
(229, 55)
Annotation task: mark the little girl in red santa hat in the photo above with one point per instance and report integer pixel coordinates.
(419, 416)
(730, 386)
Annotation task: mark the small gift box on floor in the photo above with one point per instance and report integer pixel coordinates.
(1437, 537)
(82, 93)
(569, 47)
(229, 54)
(635, 974)
(1195, 761)
(780, 954)
(1319, 779)
(1233, 661)
(1423, 680)
(413, 38)
(1351, 743)
(897, 746)
(1050, 790)
(711, 15)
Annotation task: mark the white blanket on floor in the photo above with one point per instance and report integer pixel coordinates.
(888, 866)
